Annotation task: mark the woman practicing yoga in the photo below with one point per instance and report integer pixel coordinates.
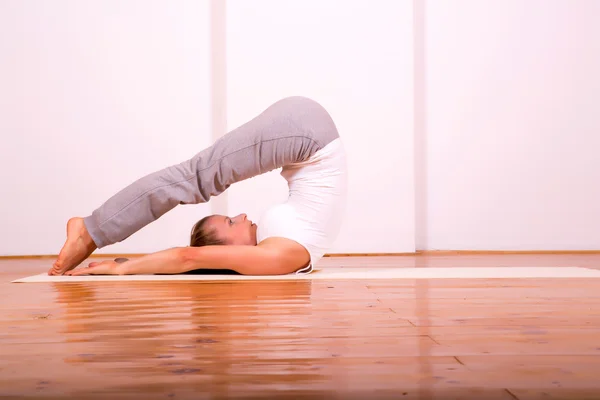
(295, 134)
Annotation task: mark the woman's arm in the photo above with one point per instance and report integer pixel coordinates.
(275, 256)
(247, 260)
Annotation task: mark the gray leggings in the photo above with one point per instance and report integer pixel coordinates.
(289, 131)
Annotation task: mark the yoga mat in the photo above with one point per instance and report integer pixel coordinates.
(348, 273)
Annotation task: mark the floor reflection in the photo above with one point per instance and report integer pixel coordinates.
(225, 335)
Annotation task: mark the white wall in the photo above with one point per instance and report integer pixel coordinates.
(355, 58)
(93, 95)
(512, 125)
(98, 93)
(497, 143)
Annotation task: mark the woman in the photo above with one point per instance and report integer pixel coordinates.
(295, 134)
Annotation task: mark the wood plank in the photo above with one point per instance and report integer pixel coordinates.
(409, 339)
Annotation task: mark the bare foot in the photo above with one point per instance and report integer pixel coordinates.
(78, 247)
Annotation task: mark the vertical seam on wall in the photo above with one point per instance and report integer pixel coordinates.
(420, 126)
(218, 88)
(422, 293)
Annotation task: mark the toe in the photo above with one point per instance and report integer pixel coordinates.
(56, 269)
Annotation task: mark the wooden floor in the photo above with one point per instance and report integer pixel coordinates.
(397, 339)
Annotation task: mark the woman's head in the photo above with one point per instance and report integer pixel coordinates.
(221, 230)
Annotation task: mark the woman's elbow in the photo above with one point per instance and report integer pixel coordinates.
(283, 266)
(284, 263)
(269, 265)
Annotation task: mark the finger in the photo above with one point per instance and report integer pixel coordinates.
(96, 263)
(81, 271)
(85, 271)
(73, 271)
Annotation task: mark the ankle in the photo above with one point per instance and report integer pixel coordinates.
(82, 232)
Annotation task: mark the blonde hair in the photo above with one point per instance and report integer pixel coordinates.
(201, 236)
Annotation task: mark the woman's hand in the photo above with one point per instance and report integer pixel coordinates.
(95, 268)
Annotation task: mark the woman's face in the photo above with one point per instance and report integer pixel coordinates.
(238, 230)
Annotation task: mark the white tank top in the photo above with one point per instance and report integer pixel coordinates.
(313, 213)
